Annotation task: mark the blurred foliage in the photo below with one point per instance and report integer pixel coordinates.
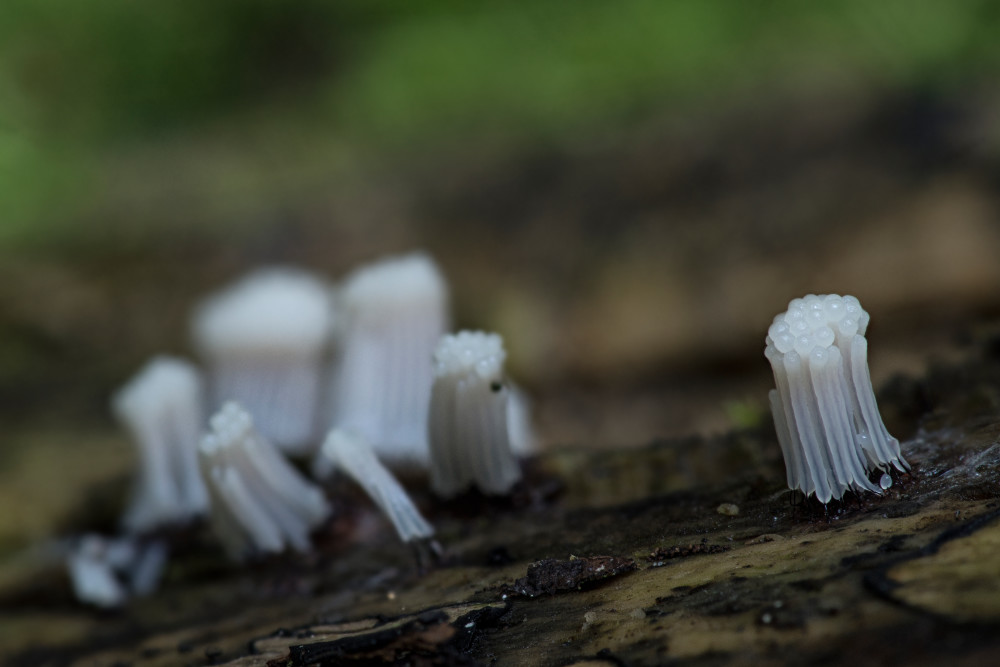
(82, 81)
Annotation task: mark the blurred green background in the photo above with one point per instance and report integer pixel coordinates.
(114, 113)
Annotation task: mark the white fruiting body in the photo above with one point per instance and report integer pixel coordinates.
(92, 571)
(825, 415)
(395, 310)
(161, 407)
(469, 440)
(354, 456)
(106, 572)
(265, 340)
(260, 503)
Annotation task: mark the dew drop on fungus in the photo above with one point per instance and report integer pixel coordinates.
(885, 481)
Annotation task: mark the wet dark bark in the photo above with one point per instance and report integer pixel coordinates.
(622, 557)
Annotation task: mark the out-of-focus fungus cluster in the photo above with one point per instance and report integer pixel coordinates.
(287, 358)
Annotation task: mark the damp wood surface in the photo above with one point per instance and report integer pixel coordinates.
(688, 551)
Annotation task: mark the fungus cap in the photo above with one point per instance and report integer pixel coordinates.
(394, 282)
(270, 309)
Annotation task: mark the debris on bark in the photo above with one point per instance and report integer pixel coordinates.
(550, 576)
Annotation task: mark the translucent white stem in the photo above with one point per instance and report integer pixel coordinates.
(353, 455)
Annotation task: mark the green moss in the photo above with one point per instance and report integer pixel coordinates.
(80, 82)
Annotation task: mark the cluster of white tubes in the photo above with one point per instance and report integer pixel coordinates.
(369, 363)
(828, 425)
(470, 441)
(287, 359)
(260, 502)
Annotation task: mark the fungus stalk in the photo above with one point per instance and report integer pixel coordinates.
(260, 503)
(395, 310)
(825, 415)
(469, 440)
(161, 407)
(354, 456)
(265, 341)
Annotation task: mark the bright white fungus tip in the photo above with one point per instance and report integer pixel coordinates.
(265, 339)
(825, 415)
(394, 312)
(354, 456)
(260, 503)
(469, 437)
(400, 279)
(161, 407)
(266, 310)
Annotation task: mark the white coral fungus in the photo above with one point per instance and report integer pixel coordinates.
(354, 456)
(395, 310)
(264, 340)
(260, 503)
(469, 440)
(828, 425)
(161, 407)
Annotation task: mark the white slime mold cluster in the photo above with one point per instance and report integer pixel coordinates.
(260, 503)
(828, 425)
(283, 346)
(469, 438)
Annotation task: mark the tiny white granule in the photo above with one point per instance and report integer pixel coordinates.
(161, 407)
(260, 503)
(825, 415)
(353, 455)
(469, 438)
(394, 312)
(265, 341)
